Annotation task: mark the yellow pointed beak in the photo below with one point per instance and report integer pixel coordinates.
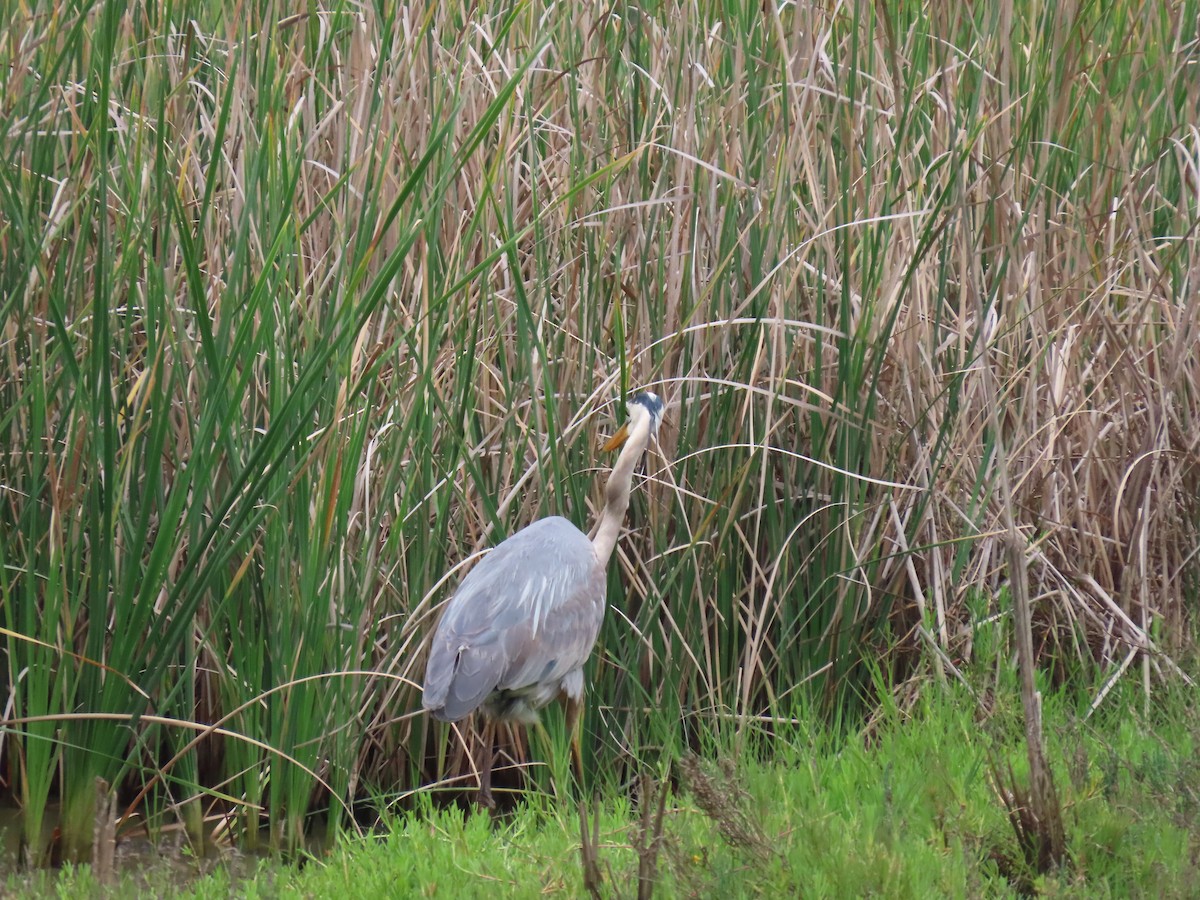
(617, 439)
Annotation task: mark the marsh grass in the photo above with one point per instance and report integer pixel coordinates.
(301, 312)
(906, 810)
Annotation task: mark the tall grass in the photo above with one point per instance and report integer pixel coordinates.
(301, 311)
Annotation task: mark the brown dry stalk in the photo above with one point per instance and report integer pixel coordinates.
(721, 796)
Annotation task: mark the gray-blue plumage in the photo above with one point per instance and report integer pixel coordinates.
(520, 627)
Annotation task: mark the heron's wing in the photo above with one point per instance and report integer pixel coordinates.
(528, 613)
(561, 644)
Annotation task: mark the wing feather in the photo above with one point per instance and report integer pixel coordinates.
(525, 617)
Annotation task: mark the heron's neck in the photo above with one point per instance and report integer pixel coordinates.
(616, 493)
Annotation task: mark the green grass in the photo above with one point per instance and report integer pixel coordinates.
(904, 809)
(299, 312)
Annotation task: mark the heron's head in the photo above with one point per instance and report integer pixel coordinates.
(644, 406)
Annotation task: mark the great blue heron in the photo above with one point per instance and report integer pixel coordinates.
(518, 630)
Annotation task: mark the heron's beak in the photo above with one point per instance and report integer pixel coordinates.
(617, 439)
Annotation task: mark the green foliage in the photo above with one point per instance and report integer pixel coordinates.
(299, 314)
(905, 809)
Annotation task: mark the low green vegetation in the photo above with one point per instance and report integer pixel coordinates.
(906, 808)
(303, 306)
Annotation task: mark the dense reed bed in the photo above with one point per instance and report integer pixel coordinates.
(301, 311)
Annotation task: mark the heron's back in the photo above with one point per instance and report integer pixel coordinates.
(520, 626)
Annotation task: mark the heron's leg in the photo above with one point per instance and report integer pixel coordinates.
(488, 737)
(575, 728)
